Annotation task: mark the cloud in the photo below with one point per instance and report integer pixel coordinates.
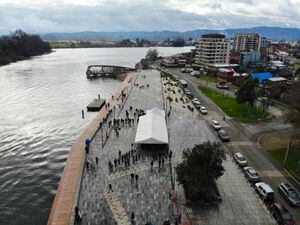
(44, 16)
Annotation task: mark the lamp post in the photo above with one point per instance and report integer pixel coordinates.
(101, 133)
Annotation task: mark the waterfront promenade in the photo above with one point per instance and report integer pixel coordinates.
(148, 197)
(67, 192)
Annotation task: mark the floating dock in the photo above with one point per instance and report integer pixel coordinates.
(96, 105)
(96, 71)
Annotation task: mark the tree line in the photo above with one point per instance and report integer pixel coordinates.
(20, 45)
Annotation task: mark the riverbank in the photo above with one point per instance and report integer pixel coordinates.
(21, 46)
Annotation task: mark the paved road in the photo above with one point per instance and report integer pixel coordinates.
(243, 140)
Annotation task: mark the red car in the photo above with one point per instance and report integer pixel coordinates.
(282, 215)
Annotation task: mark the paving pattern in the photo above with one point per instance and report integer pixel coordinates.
(148, 197)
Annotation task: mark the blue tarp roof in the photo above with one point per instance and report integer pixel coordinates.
(261, 76)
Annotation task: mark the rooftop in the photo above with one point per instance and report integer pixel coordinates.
(261, 76)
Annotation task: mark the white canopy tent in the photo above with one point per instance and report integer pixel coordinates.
(152, 128)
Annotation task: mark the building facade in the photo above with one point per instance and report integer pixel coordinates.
(212, 49)
(251, 57)
(246, 42)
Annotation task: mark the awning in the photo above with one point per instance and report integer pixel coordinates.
(152, 128)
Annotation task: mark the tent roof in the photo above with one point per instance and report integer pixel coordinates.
(152, 128)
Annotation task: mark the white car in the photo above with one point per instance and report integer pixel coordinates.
(196, 101)
(251, 174)
(240, 159)
(203, 110)
(265, 191)
(215, 124)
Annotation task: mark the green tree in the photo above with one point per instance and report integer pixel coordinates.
(152, 54)
(200, 167)
(248, 92)
(292, 97)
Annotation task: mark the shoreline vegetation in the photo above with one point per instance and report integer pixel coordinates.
(20, 46)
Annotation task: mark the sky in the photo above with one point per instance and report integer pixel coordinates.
(45, 16)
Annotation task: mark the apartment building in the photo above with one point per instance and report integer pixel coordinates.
(246, 42)
(212, 49)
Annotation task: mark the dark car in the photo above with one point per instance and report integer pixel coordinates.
(223, 135)
(289, 193)
(282, 215)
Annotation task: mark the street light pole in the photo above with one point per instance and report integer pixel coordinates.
(287, 151)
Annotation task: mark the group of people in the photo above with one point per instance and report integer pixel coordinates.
(124, 159)
(160, 158)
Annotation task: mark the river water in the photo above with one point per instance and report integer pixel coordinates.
(40, 117)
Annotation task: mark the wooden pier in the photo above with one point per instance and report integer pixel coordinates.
(96, 105)
(95, 71)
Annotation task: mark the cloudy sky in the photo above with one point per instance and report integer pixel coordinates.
(43, 16)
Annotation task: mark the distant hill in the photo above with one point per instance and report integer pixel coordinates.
(273, 33)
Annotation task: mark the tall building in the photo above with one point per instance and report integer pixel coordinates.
(246, 42)
(212, 49)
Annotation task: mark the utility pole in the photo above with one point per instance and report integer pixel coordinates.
(287, 151)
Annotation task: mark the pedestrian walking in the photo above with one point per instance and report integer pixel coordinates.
(78, 216)
(132, 177)
(136, 178)
(159, 162)
(110, 188)
(97, 160)
(132, 217)
(151, 164)
(170, 155)
(163, 162)
(87, 149)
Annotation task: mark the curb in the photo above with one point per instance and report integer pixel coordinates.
(265, 150)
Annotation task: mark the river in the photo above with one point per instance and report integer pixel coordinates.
(40, 117)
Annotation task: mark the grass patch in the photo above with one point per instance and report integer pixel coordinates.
(291, 161)
(233, 87)
(210, 79)
(233, 109)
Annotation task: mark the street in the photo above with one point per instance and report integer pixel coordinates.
(244, 141)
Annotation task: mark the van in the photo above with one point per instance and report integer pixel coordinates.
(265, 192)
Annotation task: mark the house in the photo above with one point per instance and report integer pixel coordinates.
(261, 76)
(277, 80)
(225, 74)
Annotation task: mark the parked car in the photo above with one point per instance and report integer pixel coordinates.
(289, 193)
(223, 135)
(195, 73)
(282, 215)
(196, 102)
(251, 174)
(215, 124)
(183, 70)
(187, 91)
(188, 70)
(203, 110)
(225, 87)
(265, 191)
(240, 159)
